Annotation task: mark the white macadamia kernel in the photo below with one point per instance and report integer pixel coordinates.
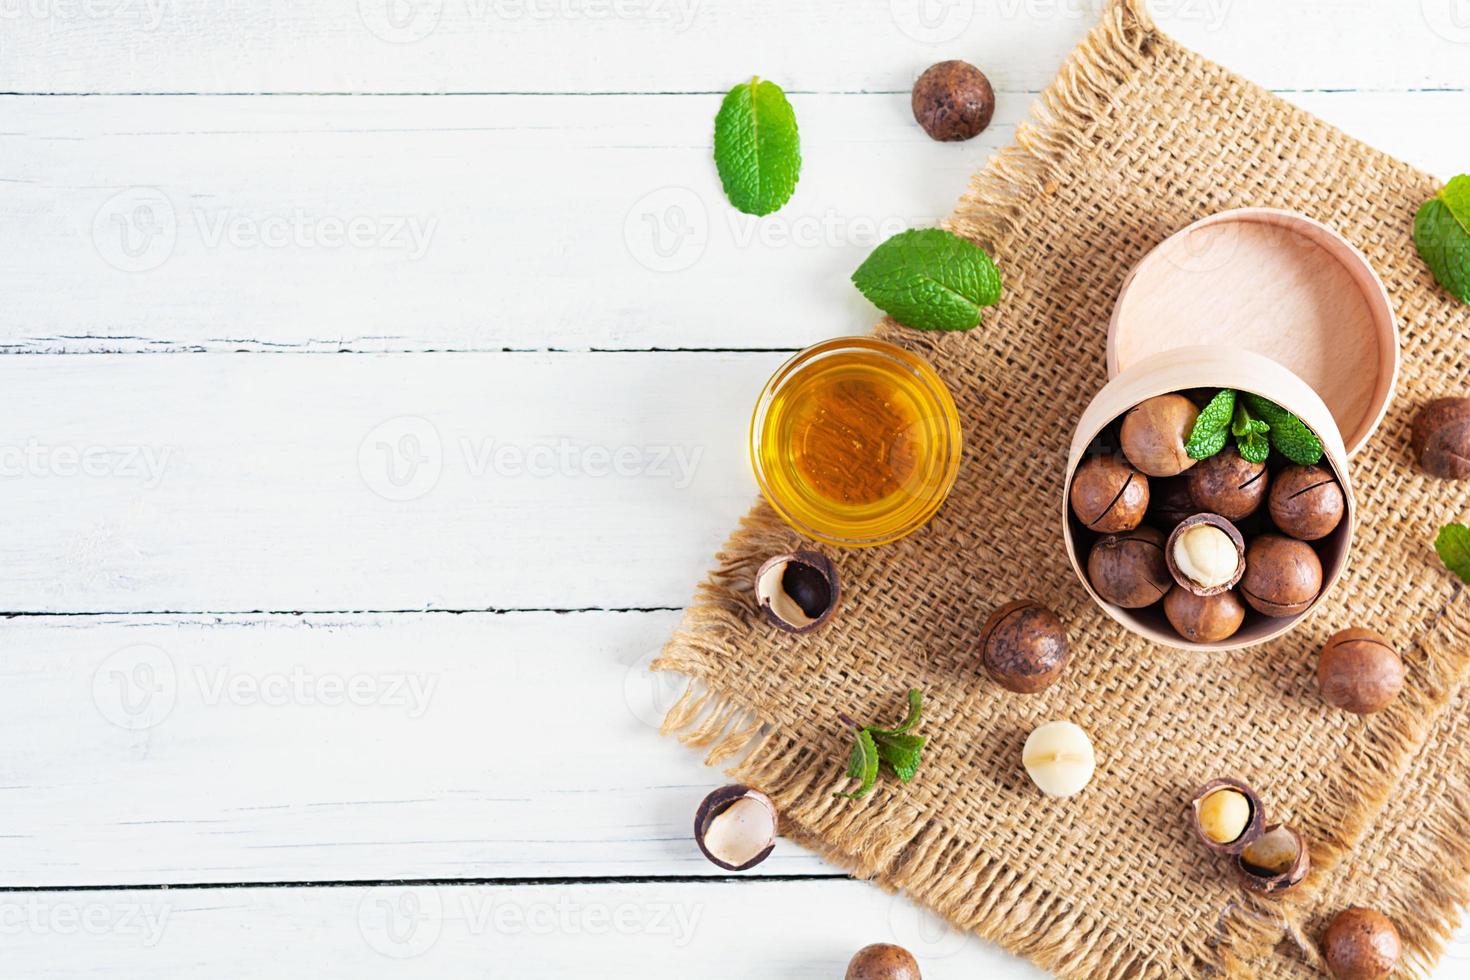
(1059, 758)
(1206, 555)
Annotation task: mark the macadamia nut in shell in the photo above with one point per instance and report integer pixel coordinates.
(1129, 569)
(1359, 671)
(1154, 433)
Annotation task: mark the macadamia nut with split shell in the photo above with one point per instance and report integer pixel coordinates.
(1275, 862)
(1227, 815)
(1109, 496)
(1283, 576)
(1359, 671)
(1307, 502)
(1129, 569)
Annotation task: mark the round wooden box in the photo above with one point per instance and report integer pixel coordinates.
(1264, 301)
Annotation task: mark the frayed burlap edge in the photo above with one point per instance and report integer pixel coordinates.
(972, 889)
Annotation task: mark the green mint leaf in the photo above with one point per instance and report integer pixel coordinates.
(1212, 427)
(1250, 435)
(1442, 236)
(929, 279)
(916, 711)
(1453, 545)
(1289, 435)
(901, 753)
(862, 764)
(757, 148)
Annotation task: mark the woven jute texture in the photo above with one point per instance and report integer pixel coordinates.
(1135, 139)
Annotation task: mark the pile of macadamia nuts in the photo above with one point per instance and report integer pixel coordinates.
(1210, 541)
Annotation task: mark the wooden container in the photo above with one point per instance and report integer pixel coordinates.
(1260, 300)
(1182, 369)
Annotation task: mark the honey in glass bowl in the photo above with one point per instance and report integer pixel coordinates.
(855, 442)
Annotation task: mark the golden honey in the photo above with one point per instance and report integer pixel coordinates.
(855, 442)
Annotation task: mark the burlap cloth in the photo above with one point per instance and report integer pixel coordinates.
(1136, 138)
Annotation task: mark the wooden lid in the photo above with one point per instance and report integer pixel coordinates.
(1276, 283)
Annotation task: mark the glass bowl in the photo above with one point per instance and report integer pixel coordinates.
(855, 442)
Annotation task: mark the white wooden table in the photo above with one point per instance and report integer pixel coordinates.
(392, 363)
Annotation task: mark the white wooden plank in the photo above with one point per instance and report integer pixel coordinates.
(320, 748)
(383, 482)
(686, 45)
(656, 931)
(484, 222)
(481, 222)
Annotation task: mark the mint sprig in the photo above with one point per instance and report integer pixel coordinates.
(1212, 427)
(1442, 236)
(757, 147)
(930, 279)
(1453, 545)
(896, 748)
(1289, 435)
(1250, 435)
(1258, 425)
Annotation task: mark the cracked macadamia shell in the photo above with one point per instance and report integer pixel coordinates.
(1023, 647)
(883, 961)
(1307, 502)
(735, 827)
(1440, 439)
(1275, 862)
(1108, 495)
(1129, 569)
(1206, 554)
(1154, 433)
(1359, 671)
(1228, 484)
(1244, 810)
(798, 592)
(1361, 944)
(1283, 576)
